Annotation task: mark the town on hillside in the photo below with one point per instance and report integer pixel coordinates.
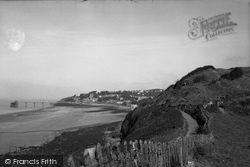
(125, 97)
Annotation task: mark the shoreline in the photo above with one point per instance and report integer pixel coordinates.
(114, 109)
(75, 142)
(88, 134)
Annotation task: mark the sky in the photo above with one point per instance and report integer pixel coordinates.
(55, 49)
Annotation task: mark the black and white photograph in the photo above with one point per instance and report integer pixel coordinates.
(125, 83)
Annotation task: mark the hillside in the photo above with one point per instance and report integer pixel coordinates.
(206, 94)
(125, 97)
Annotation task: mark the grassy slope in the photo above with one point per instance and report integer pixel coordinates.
(231, 147)
(201, 86)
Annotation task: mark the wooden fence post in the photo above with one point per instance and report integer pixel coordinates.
(181, 153)
(169, 155)
(155, 154)
(137, 154)
(142, 152)
(114, 157)
(174, 152)
(160, 154)
(166, 154)
(120, 154)
(132, 153)
(146, 148)
(186, 148)
(108, 155)
(126, 153)
(150, 153)
(163, 155)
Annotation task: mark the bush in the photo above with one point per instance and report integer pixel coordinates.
(144, 102)
(201, 150)
(200, 78)
(234, 74)
(202, 130)
(152, 121)
(245, 102)
(179, 83)
(197, 70)
(171, 86)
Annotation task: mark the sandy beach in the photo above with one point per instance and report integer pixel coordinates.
(37, 127)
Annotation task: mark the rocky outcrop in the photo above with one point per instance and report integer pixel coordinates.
(146, 123)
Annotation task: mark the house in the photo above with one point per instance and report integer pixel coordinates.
(119, 102)
(142, 97)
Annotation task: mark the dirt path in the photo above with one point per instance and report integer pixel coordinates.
(192, 124)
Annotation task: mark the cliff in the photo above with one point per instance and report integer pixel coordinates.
(199, 93)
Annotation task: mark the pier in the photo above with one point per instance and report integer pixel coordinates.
(15, 104)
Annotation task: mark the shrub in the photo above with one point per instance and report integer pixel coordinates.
(202, 130)
(212, 82)
(234, 74)
(245, 102)
(159, 121)
(200, 78)
(201, 150)
(197, 70)
(171, 86)
(178, 85)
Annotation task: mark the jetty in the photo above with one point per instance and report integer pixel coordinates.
(15, 104)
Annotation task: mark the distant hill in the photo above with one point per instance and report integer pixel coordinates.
(201, 92)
